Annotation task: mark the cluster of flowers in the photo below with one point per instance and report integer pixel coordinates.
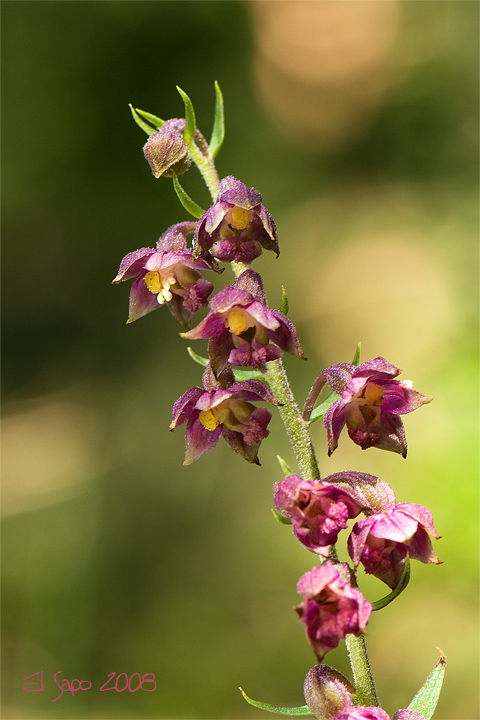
(240, 328)
(242, 332)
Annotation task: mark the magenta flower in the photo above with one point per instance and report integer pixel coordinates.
(331, 607)
(371, 403)
(168, 276)
(242, 330)
(318, 510)
(382, 541)
(237, 226)
(328, 695)
(212, 413)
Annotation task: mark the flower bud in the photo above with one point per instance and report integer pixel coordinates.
(327, 692)
(167, 153)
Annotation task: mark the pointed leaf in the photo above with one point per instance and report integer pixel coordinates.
(197, 358)
(425, 701)
(321, 409)
(190, 121)
(284, 305)
(281, 518)
(187, 202)
(141, 123)
(402, 584)
(240, 375)
(284, 466)
(302, 710)
(154, 119)
(356, 357)
(218, 132)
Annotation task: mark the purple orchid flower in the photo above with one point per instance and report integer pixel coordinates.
(237, 226)
(228, 412)
(382, 541)
(242, 330)
(331, 607)
(168, 276)
(318, 510)
(370, 405)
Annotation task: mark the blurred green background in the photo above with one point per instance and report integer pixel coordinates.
(357, 121)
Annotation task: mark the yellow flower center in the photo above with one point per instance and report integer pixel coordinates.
(238, 218)
(374, 394)
(238, 321)
(208, 419)
(160, 286)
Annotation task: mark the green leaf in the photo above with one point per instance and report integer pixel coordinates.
(218, 132)
(281, 518)
(321, 409)
(425, 701)
(284, 466)
(198, 358)
(356, 357)
(187, 202)
(190, 121)
(154, 119)
(141, 123)
(241, 375)
(402, 584)
(302, 710)
(284, 305)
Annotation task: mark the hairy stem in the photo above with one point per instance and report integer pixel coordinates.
(362, 673)
(297, 429)
(207, 169)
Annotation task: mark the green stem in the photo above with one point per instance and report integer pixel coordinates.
(366, 694)
(206, 167)
(299, 435)
(297, 429)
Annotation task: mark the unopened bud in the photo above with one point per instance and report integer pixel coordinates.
(166, 153)
(327, 692)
